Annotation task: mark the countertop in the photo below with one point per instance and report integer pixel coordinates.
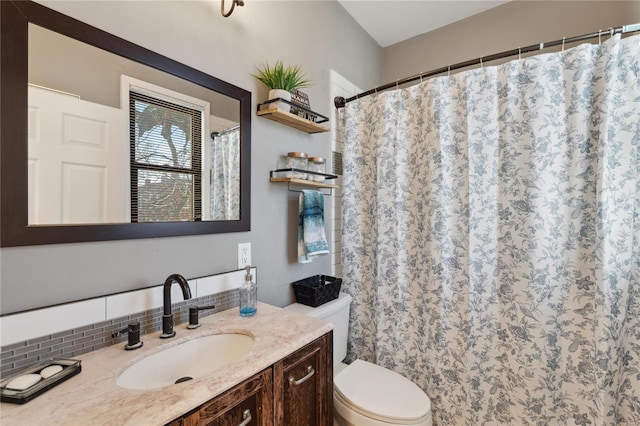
(93, 397)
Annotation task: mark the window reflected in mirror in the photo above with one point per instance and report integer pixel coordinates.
(166, 171)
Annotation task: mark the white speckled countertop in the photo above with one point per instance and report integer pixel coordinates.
(93, 397)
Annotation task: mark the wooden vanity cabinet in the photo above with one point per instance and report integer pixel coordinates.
(295, 391)
(303, 383)
(249, 403)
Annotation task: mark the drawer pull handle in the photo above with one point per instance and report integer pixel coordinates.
(246, 417)
(310, 372)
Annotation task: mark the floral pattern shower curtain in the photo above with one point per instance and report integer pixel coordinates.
(491, 237)
(225, 180)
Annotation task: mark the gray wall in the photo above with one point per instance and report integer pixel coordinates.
(62, 63)
(319, 36)
(506, 27)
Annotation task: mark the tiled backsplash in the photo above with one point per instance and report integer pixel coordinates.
(57, 341)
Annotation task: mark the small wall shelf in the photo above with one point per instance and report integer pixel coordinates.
(292, 120)
(303, 182)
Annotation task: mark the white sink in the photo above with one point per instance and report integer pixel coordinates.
(191, 359)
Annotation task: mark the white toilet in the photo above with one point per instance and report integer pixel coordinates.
(365, 394)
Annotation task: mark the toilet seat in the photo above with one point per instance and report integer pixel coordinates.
(381, 394)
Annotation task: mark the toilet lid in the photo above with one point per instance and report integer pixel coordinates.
(380, 393)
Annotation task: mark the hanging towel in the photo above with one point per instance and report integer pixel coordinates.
(311, 237)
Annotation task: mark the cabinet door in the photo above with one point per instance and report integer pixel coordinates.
(249, 403)
(303, 385)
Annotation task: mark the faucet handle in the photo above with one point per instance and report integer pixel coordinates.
(133, 336)
(193, 315)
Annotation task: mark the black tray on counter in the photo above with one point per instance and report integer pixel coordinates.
(70, 367)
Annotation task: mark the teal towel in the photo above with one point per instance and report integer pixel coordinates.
(311, 237)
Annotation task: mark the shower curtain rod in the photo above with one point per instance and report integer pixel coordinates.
(224, 132)
(340, 101)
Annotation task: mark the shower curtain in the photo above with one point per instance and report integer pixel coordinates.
(491, 237)
(225, 179)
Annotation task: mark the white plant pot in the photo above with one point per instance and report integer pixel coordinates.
(283, 94)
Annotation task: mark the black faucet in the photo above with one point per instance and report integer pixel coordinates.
(133, 334)
(193, 315)
(167, 317)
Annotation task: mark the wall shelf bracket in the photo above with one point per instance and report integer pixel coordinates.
(295, 184)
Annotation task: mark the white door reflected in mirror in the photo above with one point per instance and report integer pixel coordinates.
(76, 171)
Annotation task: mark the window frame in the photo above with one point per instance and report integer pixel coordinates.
(129, 85)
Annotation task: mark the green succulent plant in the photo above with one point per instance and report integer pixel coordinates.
(280, 77)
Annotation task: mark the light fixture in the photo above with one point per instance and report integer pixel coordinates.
(233, 6)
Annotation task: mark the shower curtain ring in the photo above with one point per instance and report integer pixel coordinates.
(611, 32)
(420, 78)
(563, 43)
(449, 71)
(481, 64)
(599, 36)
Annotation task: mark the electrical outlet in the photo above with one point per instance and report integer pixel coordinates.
(244, 255)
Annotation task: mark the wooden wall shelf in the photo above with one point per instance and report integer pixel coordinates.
(303, 182)
(292, 120)
(296, 182)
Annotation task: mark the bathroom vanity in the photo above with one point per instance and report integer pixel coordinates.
(284, 379)
(294, 391)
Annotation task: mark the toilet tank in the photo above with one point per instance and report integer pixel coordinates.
(337, 313)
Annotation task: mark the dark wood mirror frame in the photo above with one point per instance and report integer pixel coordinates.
(15, 230)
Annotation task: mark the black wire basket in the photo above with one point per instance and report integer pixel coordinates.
(317, 290)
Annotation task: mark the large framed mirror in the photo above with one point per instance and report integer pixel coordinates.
(102, 139)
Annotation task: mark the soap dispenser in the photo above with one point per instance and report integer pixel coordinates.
(248, 295)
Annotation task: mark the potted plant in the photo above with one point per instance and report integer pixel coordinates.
(281, 81)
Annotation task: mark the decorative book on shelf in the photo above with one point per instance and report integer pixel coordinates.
(300, 106)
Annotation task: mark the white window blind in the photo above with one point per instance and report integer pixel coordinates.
(166, 172)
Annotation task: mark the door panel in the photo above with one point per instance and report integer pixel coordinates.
(78, 161)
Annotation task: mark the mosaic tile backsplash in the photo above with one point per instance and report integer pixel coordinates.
(77, 341)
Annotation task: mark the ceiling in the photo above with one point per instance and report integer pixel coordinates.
(392, 21)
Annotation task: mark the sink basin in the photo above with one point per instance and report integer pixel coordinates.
(185, 361)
